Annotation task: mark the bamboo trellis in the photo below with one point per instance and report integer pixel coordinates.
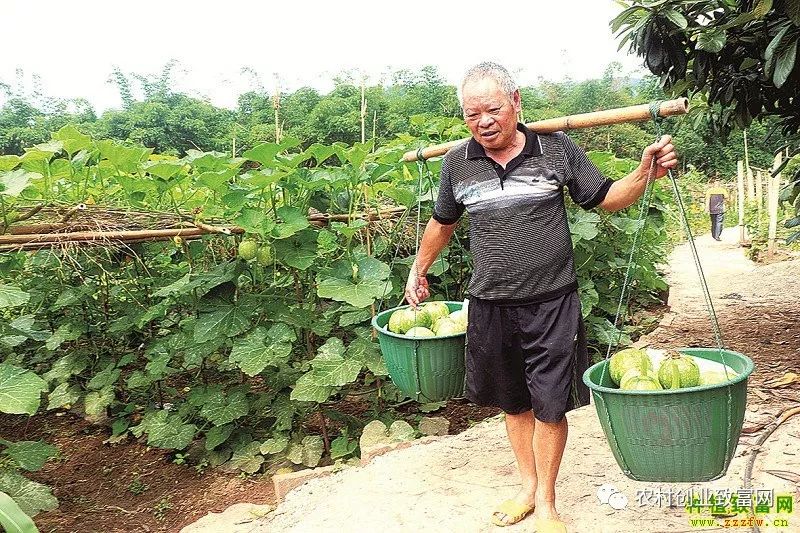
(44, 226)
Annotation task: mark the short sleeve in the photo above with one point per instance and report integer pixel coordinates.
(446, 210)
(587, 186)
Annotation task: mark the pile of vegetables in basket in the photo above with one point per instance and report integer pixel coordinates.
(432, 319)
(638, 369)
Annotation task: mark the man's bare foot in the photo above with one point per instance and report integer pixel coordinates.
(525, 497)
(546, 509)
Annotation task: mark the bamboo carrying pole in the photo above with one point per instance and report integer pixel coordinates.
(636, 113)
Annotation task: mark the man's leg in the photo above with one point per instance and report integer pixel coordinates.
(720, 225)
(520, 429)
(549, 441)
(715, 226)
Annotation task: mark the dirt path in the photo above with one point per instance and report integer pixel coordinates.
(452, 484)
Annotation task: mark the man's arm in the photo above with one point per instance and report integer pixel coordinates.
(434, 239)
(626, 191)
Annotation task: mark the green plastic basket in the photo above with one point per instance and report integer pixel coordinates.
(680, 435)
(426, 369)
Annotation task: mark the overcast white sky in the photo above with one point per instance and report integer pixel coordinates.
(73, 46)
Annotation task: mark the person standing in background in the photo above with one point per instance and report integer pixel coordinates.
(715, 206)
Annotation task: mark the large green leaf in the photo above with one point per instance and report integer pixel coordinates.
(12, 296)
(785, 63)
(32, 497)
(12, 518)
(164, 169)
(331, 368)
(72, 139)
(266, 153)
(589, 297)
(20, 390)
(292, 221)
(247, 457)
(273, 445)
(217, 435)
(29, 455)
(584, 225)
(358, 284)
(14, 182)
(9, 162)
(711, 41)
(66, 366)
(308, 390)
(165, 430)
(96, 402)
(222, 409)
(367, 353)
(298, 251)
(62, 395)
(676, 18)
(26, 325)
(254, 221)
(216, 181)
(198, 284)
(342, 447)
(283, 409)
(226, 321)
(261, 348)
(125, 159)
(312, 446)
(106, 377)
(64, 333)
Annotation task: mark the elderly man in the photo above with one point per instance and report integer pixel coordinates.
(526, 347)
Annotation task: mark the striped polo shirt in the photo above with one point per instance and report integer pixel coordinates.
(518, 231)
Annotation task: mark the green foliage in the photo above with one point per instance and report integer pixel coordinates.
(191, 343)
(161, 508)
(742, 55)
(137, 486)
(12, 518)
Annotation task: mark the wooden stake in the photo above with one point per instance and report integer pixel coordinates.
(751, 190)
(759, 194)
(746, 151)
(363, 114)
(636, 113)
(276, 104)
(374, 121)
(774, 190)
(740, 198)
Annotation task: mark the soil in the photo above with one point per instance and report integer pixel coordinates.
(123, 487)
(129, 486)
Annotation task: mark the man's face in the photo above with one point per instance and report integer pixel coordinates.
(490, 114)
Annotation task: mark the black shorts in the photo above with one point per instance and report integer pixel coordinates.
(528, 357)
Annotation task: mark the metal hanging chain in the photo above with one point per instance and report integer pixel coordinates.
(644, 207)
(624, 295)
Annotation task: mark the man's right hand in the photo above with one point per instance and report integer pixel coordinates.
(416, 288)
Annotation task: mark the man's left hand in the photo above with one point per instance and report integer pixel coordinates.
(665, 157)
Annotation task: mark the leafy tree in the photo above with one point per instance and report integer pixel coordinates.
(742, 56)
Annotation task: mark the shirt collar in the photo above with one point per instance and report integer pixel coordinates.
(532, 145)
